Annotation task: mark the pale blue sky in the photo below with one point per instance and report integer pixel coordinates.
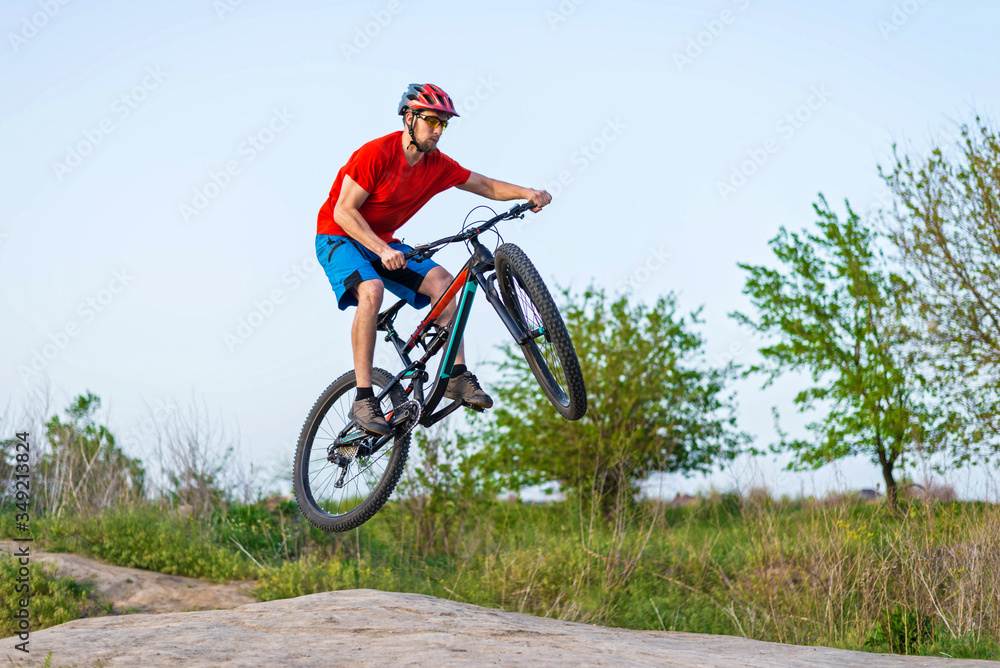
(536, 82)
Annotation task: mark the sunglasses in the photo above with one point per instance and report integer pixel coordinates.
(432, 121)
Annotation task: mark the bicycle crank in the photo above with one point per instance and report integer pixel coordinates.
(404, 418)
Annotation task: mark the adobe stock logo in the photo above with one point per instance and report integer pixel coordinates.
(565, 10)
(787, 126)
(88, 310)
(584, 157)
(656, 260)
(901, 14)
(713, 29)
(363, 36)
(30, 27)
(122, 108)
(264, 308)
(223, 7)
(250, 148)
(467, 106)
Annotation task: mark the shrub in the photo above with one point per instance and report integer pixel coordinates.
(54, 599)
(306, 576)
(151, 538)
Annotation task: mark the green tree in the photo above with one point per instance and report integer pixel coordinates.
(84, 470)
(653, 404)
(946, 224)
(833, 309)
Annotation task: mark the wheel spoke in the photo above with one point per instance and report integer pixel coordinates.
(533, 319)
(329, 479)
(328, 503)
(372, 463)
(547, 348)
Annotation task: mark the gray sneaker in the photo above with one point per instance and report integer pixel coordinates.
(368, 414)
(466, 387)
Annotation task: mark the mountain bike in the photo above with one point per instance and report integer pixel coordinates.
(342, 474)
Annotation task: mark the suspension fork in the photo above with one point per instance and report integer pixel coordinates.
(485, 262)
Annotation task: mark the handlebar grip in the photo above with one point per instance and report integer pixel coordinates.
(409, 255)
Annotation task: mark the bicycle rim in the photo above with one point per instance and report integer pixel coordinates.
(332, 496)
(546, 358)
(549, 352)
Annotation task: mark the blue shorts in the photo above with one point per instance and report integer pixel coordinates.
(347, 263)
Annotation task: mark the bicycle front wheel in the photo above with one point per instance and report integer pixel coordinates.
(549, 352)
(339, 488)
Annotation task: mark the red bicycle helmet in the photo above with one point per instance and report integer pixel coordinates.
(426, 96)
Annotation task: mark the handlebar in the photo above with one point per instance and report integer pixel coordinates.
(426, 250)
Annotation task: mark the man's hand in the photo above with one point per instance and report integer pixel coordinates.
(392, 259)
(539, 197)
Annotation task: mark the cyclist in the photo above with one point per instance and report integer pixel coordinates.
(383, 184)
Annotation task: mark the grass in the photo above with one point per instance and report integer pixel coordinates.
(54, 599)
(150, 537)
(837, 573)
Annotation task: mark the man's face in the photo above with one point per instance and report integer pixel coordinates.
(426, 136)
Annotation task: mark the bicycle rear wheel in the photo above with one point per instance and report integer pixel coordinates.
(342, 496)
(549, 353)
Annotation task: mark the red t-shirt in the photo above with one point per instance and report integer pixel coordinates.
(395, 190)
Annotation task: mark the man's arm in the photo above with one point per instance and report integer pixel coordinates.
(501, 191)
(352, 196)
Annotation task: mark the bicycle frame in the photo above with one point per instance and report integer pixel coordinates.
(474, 275)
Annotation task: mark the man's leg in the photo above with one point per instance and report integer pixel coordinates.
(369, 295)
(434, 285)
(365, 410)
(463, 383)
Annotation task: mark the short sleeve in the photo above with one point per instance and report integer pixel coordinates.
(366, 167)
(451, 173)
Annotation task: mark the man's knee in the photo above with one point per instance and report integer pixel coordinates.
(370, 293)
(436, 282)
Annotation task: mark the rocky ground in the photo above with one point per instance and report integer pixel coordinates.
(371, 628)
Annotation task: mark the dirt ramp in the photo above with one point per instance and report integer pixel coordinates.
(373, 628)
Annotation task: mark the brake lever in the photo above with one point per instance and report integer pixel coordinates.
(419, 253)
(519, 210)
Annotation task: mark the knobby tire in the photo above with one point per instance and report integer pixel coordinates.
(550, 355)
(314, 476)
